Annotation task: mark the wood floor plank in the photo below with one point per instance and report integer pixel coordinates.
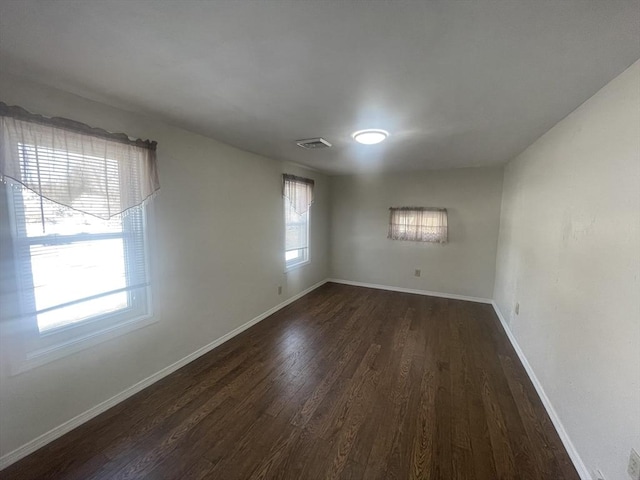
(355, 415)
(345, 383)
(443, 456)
(483, 461)
(461, 456)
(392, 392)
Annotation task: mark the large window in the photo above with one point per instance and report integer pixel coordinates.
(298, 196)
(76, 220)
(418, 224)
(296, 236)
(73, 267)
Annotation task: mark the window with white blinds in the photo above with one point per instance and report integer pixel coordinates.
(298, 197)
(72, 266)
(296, 236)
(75, 218)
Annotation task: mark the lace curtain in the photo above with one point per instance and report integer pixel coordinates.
(86, 169)
(298, 191)
(418, 224)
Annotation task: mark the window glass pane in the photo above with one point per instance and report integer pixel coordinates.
(64, 273)
(58, 219)
(296, 235)
(82, 311)
(296, 228)
(291, 255)
(67, 259)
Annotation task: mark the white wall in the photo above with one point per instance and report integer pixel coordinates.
(569, 253)
(216, 263)
(360, 250)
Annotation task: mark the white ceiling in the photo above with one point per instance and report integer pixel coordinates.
(457, 83)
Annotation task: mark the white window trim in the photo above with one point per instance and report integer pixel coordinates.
(25, 358)
(288, 267)
(42, 356)
(295, 266)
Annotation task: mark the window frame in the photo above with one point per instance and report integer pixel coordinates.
(37, 348)
(306, 257)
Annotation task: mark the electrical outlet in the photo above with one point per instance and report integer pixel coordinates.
(634, 465)
(418, 272)
(517, 308)
(279, 289)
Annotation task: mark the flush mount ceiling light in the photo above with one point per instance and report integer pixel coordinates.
(370, 136)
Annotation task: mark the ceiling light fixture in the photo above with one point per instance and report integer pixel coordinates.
(370, 136)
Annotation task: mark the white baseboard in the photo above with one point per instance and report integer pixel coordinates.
(583, 472)
(453, 296)
(78, 420)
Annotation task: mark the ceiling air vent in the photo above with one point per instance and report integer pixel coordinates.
(313, 143)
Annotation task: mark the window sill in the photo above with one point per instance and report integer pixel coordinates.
(40, 357)
(296, 266)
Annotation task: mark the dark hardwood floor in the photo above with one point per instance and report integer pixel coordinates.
(346, 382)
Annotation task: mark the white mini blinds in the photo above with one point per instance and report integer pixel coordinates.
(418, 224)
(87, 169)
(298, 197)
(79, 243)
